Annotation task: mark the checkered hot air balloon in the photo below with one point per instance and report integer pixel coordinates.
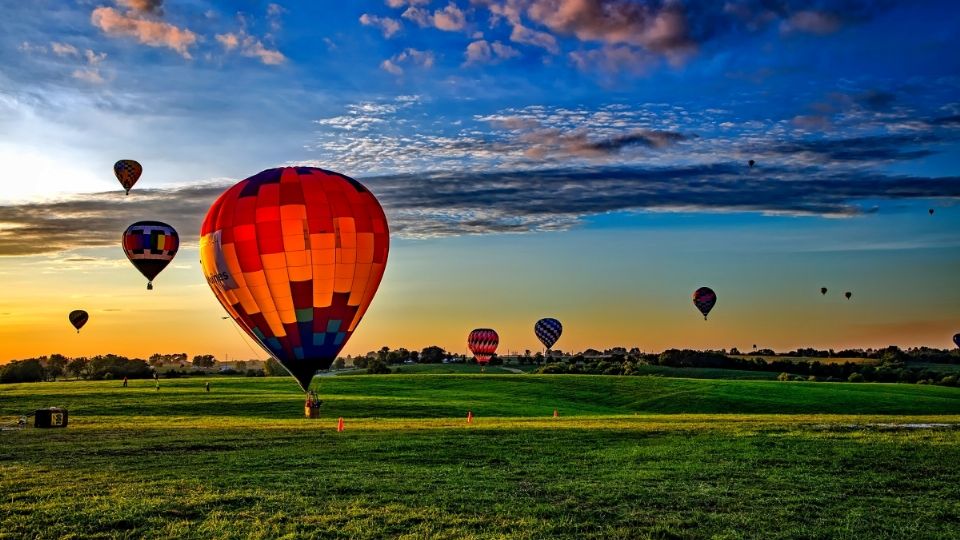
(704, 298)
(295, 256)
(78, 318)
(127, 172)
(150, 246)
(548, 331)
(483, 343)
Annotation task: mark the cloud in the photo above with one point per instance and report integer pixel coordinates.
(401, 3)
(250, 47)
(418, 15)
(388, 26)
(484, 52)
(424, 59)
(522, 34)
(613, 60)
(63, 49)
(144, 6)
(812, 22)
(450, 18)
(427, 204)
(545, 143)
(148, 32)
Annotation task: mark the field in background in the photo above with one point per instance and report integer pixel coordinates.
(629, 457)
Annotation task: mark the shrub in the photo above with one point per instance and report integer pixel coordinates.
(783, 376)
(855, 377)
(949, 380)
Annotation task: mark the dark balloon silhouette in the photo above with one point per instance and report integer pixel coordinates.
(150, 246)
(127, 172)
(931, 211)
(548, 331)
(704, 298)
(848, 294)
(78, 318)
(956, 340)
(823, 290)
(483, 343)
(751, 163)
(295, 256)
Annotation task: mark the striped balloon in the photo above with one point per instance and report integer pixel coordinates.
(483, 343)
(150, 246)
(78, 318)
(548, 331)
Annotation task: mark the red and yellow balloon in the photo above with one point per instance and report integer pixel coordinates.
(295, 255)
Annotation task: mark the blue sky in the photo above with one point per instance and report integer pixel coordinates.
(521, 127)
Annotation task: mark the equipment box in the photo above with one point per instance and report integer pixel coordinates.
(54, 417)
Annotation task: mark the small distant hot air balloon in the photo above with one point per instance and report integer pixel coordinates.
(956, 340)
(548, 331)
(128, 172)
(78, 318)
(295, 256)
(483, 343)
(848, 294)
(704, 298)
(823, 290)
(150, 246)
(931, 211)
(751, 163)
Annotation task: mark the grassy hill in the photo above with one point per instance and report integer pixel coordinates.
(630, 457)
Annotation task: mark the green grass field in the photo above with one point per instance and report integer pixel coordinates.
(630, 457)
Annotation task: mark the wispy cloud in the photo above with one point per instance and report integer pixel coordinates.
(388, 26)
(154, 33)
(410, 56)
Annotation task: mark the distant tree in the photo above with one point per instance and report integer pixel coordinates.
(22, 371)
(56, 366)
(272, 368)
(432, 355)
(240, 365)
(855, 377)
(204, 361)
(360, 362)
(339, 363)
(78, 367)
(376, 367)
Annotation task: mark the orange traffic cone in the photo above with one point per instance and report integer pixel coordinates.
(469, 417)
(340, 425)
(556, 413)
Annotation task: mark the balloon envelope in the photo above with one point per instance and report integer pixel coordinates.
(823, 290)
(548, 331)
(150, 246)
(848, 294)
(78, 318)
(128, 172)
(483, 343)
(704, 298)
(956, 340)
(295, 256)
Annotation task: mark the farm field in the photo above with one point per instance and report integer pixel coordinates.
(629, 457)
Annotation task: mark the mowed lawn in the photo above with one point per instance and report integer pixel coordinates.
(629, 457)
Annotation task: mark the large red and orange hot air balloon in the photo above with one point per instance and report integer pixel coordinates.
(483, 343)
(295, 256)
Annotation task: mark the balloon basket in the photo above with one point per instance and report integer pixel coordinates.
(311, 411)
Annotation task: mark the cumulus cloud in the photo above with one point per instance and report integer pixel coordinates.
(250, 47)
(63, 49)
(388, 26)
(450, 18)
(418, 15)
(424, 59)
(149, 32)
(484, 52)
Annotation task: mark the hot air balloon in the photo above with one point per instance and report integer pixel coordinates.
(548, 331)
(150, 246)
(78, 318)
(848, 294)
(823, 290)
(751, 163)
(128, 172)
(295, 255)
(956, 340)
(483, 343)
(931, 211)
(704, 298)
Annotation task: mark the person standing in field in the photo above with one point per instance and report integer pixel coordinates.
(158, 385)
(124, 382)
(207, 386)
